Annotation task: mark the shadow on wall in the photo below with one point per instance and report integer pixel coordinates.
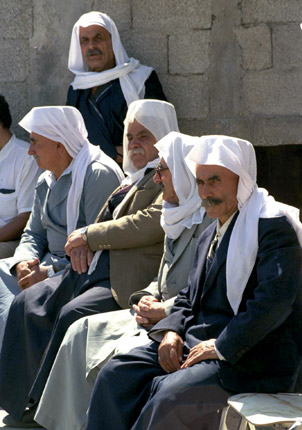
(280, 172)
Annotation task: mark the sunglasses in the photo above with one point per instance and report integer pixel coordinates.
(160, 169)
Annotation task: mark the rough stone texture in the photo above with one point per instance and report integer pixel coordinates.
(229, 66)
(277, 131)
(16, 19)
(171, 15)
(287, 39)
(271, 92)
(256, 46)
(189, 55)
(188, 94)
(254, 11)
(149, 48)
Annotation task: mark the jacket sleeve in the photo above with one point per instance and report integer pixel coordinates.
(130, 231)
(278, 273)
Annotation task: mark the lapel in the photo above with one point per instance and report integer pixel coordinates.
(123, 206)
(59, 192)
(185, 238)
(219, 259)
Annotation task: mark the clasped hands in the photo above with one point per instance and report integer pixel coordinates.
(30, 272)
(149, 311)
(79, 252)
(170, 352)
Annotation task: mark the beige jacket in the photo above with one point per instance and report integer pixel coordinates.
(134, 239)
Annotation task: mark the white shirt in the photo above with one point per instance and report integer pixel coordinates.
(18, 176)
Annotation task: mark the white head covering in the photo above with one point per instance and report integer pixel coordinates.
(65, 124)
(173, 148)
(159, 118)
(131, 73)
(238, 156)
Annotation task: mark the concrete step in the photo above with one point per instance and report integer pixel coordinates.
(3, 426)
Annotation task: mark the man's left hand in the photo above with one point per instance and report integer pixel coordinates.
(74, 240)
(149, 311)
(81, 258)
(203, 351)
(38, 273)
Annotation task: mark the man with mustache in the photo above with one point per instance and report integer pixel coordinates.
(122, 250)
(237, 326)
(106, 80)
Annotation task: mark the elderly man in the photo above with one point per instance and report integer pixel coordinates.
(127, 240)
(65, 197)
(91, 341)
(18, 177)
(106, 80)
(236, 328)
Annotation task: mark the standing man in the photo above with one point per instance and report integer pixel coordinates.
(18, 177)
(236, 328)
(65, 197)
(106, 80)
(126, 243)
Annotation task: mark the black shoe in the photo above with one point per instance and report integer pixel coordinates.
(27, 420)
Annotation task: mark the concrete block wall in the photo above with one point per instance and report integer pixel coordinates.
(229, 66)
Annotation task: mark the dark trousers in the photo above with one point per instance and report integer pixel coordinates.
(133, 392)
(38, 320)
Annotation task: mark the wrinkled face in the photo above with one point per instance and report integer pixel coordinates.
(163, 176)
(46, 152)
(217, 188)
(141, 147)
(96, 46)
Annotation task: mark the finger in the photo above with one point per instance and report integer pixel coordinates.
(32, 263)
(89, 257)
(142, 320)
(83, 260)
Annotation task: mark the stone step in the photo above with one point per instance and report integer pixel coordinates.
(3, 426)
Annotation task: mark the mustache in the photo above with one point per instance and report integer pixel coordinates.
(210, 202)
(135, 151)
(94, 51)
(35, 157)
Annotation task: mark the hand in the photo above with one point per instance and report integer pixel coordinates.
(202, 351)
(24, 268)
(81, 258)
(37, 273)
(74, 240)
(170, 352)
(149, 311)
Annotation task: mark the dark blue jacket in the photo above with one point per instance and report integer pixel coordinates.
(104, 117)
(262, 344)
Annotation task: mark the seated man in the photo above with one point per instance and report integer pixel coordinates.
(106, 80)
(18, 177)
(91, 341)
(128, 233)
(236, 328)
(76, 172)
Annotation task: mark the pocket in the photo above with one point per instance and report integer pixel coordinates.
(8, 205)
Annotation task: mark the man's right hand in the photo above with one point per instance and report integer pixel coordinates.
(24, 268)
(81, 258)
(170, 352)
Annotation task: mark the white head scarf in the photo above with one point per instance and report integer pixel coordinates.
(159, 118)
(173, 148)
(65, 124)
(131, 73)
(238, 156)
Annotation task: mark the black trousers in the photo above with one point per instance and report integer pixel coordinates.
(133, 392)
(38, 320)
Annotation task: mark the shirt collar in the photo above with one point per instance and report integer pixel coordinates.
(51, 179)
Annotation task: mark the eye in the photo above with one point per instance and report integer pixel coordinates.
(199, 182)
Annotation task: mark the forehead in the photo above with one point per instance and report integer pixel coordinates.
(136, 128)
(204, 171)
(93, 30)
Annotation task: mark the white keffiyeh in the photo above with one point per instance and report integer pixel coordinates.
(173, 148)
(65, 124)
(238, 156)
(131, 73)
(159, 118)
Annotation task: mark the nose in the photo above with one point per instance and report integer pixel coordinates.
(31, 150)
(204, 191)
(133, 143)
